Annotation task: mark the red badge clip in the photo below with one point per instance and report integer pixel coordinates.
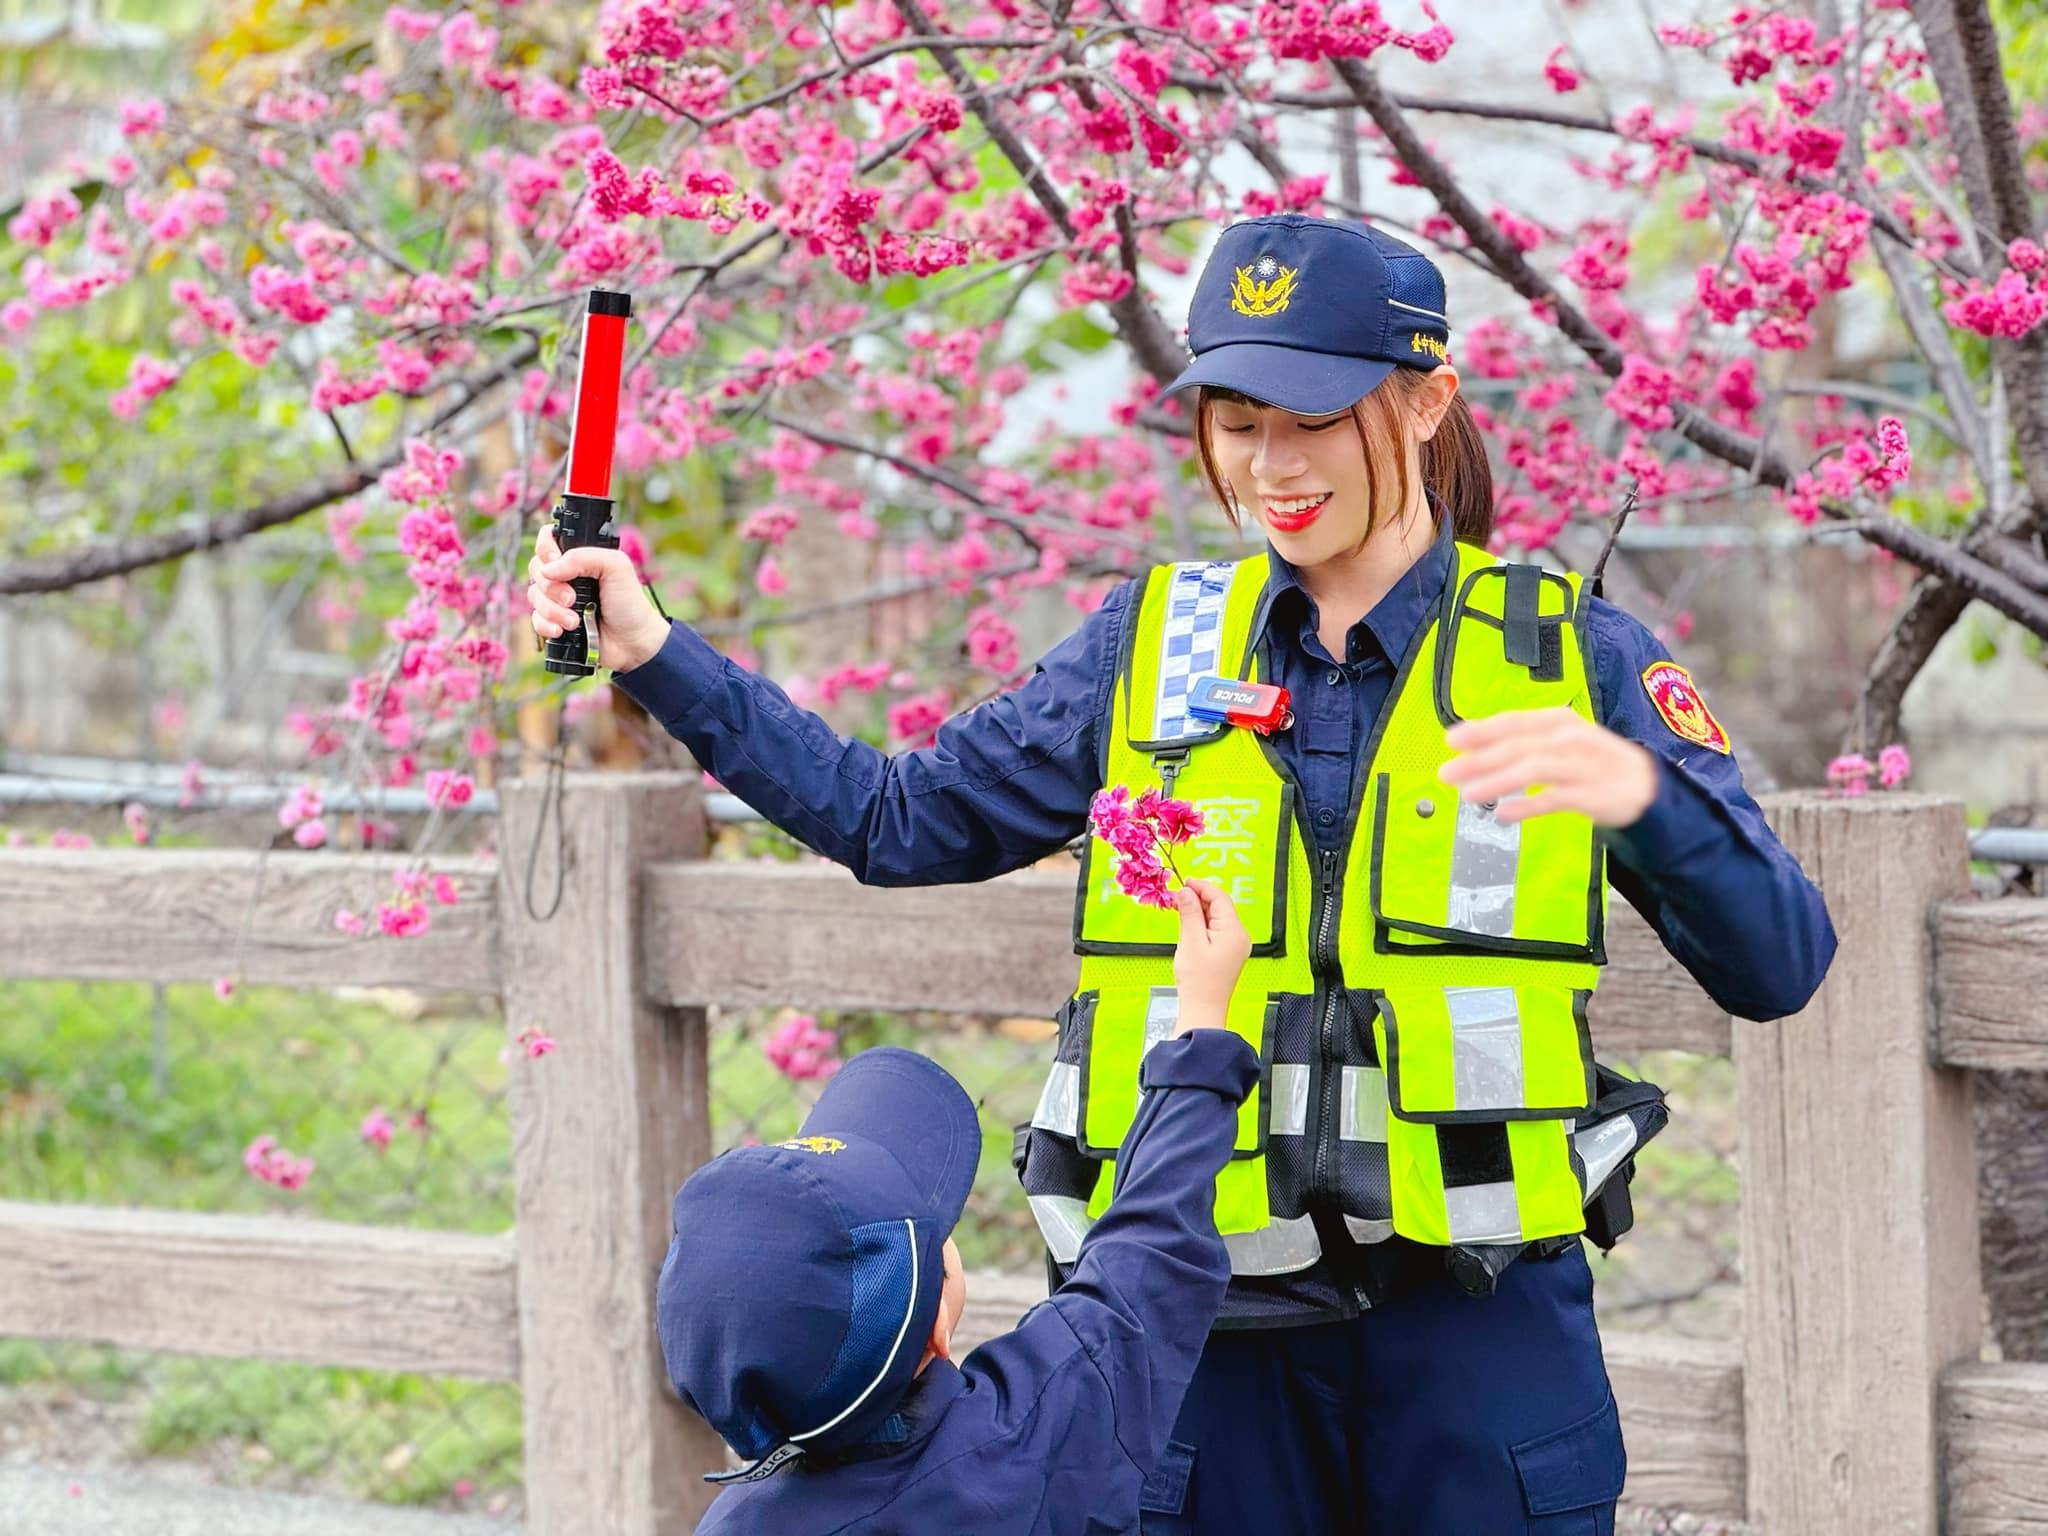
(1225, 701)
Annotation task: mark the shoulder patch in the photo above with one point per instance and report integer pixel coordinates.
(1671, 689)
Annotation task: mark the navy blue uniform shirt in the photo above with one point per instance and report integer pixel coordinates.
(1056, 1427)
(1009, 782)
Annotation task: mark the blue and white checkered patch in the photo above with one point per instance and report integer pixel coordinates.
(1189, 648)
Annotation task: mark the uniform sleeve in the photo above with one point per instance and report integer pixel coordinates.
(1702, 865)
(1152, 1272)
(1002, 786)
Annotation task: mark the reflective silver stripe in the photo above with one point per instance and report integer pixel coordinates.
(1483, 864)
(1486, 1048)
(1362, 1111)
(1484, 1213)
(1290, 1099)
(1161, 1014)
(1602, 1147)
(1062, 1222)
(1059, 1102)
(1280, 1247)
(1417, 309)
(1363, 1231)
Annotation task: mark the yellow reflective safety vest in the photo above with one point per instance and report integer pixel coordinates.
(1417, 998)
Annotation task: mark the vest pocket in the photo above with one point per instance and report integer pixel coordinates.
(1484, 1054)
(1244, 847)
(1450, 878)
(1113, 1028)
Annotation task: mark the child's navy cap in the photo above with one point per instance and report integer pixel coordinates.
(1312, 314)
(802, 1283)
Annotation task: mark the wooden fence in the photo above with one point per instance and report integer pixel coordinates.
(1855, 1402)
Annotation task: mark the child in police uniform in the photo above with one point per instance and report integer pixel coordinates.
(809, 1300)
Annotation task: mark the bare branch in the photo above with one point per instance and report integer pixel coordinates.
(117, 557)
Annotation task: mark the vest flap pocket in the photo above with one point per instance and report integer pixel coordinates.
(1484, 1054)
(1243, 846)
(1450, 877)
(1120, 1024)
(1507, 643)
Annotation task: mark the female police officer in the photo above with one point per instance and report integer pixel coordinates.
(1476, 750)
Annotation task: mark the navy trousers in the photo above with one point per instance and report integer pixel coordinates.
(1438, 1414)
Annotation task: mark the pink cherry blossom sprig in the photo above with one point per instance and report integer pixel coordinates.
(1849, 775)
(1144, 832)
(266, 1160)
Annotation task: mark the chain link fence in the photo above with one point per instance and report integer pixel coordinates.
(162, 1096)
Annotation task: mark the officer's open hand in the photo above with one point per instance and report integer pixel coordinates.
(629, 629)
(1551, 760)
(1210, 956)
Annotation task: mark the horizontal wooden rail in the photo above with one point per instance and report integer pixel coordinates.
(263, 919)
(1994, 1425)
(810, 936)
(1991, 983)
(261, 1287)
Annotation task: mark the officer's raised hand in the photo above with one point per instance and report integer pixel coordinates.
(1210, 956)
(1551, 760)
(629, 629)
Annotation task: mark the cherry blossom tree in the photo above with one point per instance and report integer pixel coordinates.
(857, 233)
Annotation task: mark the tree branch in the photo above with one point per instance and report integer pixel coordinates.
(1144, 332)
(1737, 448)
(1582, 122)
(1962, 54)
(117, 557)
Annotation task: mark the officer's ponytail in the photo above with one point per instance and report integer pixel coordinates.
(1455, 471)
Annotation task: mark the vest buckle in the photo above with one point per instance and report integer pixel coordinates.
(1169, 761)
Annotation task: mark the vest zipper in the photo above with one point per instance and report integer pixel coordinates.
(1323, 958)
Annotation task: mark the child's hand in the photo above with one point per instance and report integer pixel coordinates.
(1210, 956)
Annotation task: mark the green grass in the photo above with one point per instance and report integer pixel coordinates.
(116, 1095)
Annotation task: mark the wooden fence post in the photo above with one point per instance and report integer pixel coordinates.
(1859, 1190)
(603, 1132)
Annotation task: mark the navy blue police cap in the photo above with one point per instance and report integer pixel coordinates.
(1312, 314)
(803, 1280)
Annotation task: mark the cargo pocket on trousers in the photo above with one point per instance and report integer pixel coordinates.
(1571, 1477)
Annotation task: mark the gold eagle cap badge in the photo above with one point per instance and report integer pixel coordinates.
(820, 1144)
(1263, 288)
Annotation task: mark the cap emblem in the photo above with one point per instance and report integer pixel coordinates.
(818, 1144)
(1263, 288)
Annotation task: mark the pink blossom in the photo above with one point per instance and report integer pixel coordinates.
(536, 1042)
(1179, 821)
(1850, 773)
(266, 1160)
(191, 784)
(768, 577)
(310, 834)
(1562, 77)
(402, 920)
(136, 815)
(377, 1129)
(141, 117)
(301, 805)
(43, 216)
(1893, 764)
(802, 1051)
(223, 987)
(348, 922)
(446, 787)
(444, 891)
